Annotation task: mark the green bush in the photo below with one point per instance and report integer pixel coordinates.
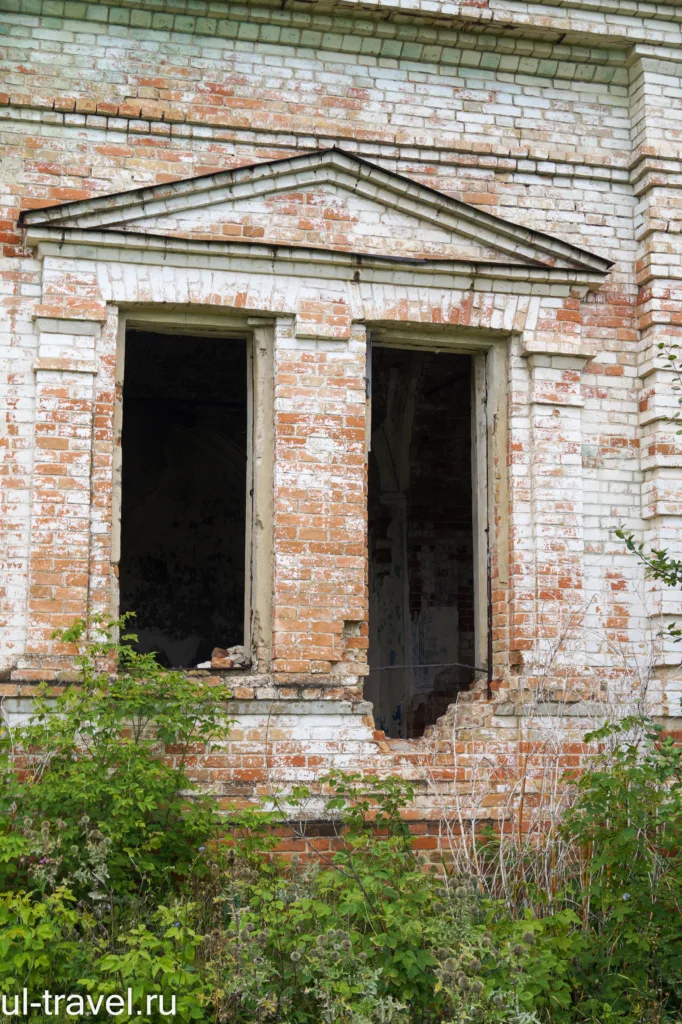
(626, 828)
(368, 934)
(39, 940)
(101, 825)
(158, 956)
(117, 874)
(102, 799)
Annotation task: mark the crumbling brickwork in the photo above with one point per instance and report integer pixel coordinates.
(525, 160)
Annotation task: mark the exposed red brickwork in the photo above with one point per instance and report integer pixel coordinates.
(320, 557)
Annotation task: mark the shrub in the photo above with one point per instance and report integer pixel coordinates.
(118, 873)
(101, 798)
(626, 828)
(367, 933)
(39, 941)
(100, 824)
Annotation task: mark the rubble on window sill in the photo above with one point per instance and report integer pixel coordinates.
(227, 658)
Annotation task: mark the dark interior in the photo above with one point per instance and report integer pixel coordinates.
(183, 517)
(420, 537)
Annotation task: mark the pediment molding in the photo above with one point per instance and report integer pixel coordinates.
(113, 222)
(302, 262)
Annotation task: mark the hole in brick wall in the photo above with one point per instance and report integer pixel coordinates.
(420, 507)
(183, 511)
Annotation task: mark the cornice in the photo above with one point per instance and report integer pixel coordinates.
(306, 262)
(647, 167)
(451, 149)
(575, 21)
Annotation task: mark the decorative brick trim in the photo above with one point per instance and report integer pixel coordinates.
(301, 262)
(387, 145)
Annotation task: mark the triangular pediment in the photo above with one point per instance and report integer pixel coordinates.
(328, 200)
(320, 215)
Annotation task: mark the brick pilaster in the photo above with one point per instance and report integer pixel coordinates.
(58, 584)
(320, 602)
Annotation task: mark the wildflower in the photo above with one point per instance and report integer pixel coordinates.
(627, 896)
(518, 950)
(477, 988)
(460, 891)
(463, 982)
(528, 938)
(475, 965)
(201, 848)
(295, 956)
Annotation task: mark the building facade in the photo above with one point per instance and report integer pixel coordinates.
(331, 346)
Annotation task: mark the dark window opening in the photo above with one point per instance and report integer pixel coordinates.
(183, 503)
(420, 504)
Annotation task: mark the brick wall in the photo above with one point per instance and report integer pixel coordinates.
(568, 122)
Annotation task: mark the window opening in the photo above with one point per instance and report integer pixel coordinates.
(421, 551)
(183, 502)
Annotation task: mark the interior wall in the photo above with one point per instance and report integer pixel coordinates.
(420, 536)
(183, 515)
